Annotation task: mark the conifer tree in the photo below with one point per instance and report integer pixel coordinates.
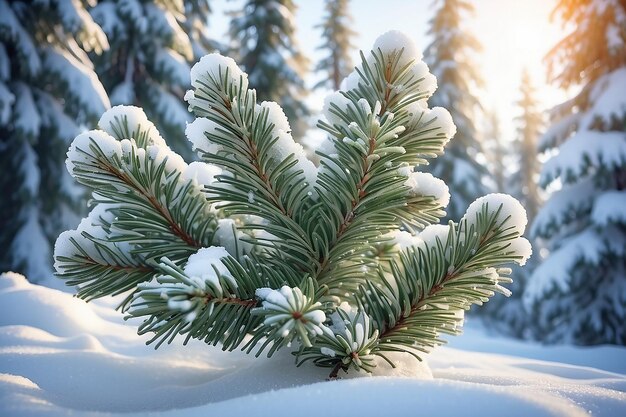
(197, 13)
(336, 42)
(449, 57)
(509, 316)
(148, 61)
(495, 151)
(264, 35)
(254, 247)
(47, 89)
(524, 181)
(577, 293)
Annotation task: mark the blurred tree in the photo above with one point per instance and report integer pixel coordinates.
(508, 315)
(449, 57)
(153, 43)
(266, 48)
(494, 151)
(336, 42)
(47, 89)
(578, 293)
(523, 182)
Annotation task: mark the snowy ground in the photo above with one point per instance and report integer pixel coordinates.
(62, 357)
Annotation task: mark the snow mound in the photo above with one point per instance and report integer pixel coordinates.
(62, 357)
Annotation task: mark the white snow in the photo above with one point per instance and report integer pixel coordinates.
(285, 301)
(159, 154)
(202, 173)
(425, 184)
(61, 357)
(395, 42)
(136, 121)
(563, 205)
(337, 99)
(511, 213)
(405, 239)
(174, 65)
(206, 266)
(608, 99)
(444, 120)
(555, 271)
(609, 207)
(214, 65)
(91, 96)
(196, 132)
(520, 246)
(583, 150)
(82, 144)
(431, 233)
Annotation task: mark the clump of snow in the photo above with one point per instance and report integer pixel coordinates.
(335, 99)
(609, 207)
(520, 246)
(206, 266)
(396, 44)
(351, 82)
(275, 115)
(425, 184)
(81, 146)
(608, 103)
(134, 120)
(435, 232)
(197, 132)
(159, 154)
(216, 66)
(403, 239)
(228, 236)
(420, 71)
(201, 172)
(511, 214)
(584, 149)
(444, 120)
(285, 145)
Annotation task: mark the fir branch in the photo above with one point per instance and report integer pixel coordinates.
(245, 142)
(159, 211)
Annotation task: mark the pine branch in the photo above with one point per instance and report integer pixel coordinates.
(252, 143)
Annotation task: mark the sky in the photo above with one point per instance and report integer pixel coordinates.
(515, 34)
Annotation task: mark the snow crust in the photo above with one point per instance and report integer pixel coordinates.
(61, 357)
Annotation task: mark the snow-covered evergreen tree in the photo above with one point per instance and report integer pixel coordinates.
(253, 247)
(495, 151)
(449, 57)
(509, 315)
(523, 183)
(336, 43)
(197, 13)
(147, 63)
(47, 88)
(579, 292)
(265, 45)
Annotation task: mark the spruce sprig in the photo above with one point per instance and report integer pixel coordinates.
(254, 247)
